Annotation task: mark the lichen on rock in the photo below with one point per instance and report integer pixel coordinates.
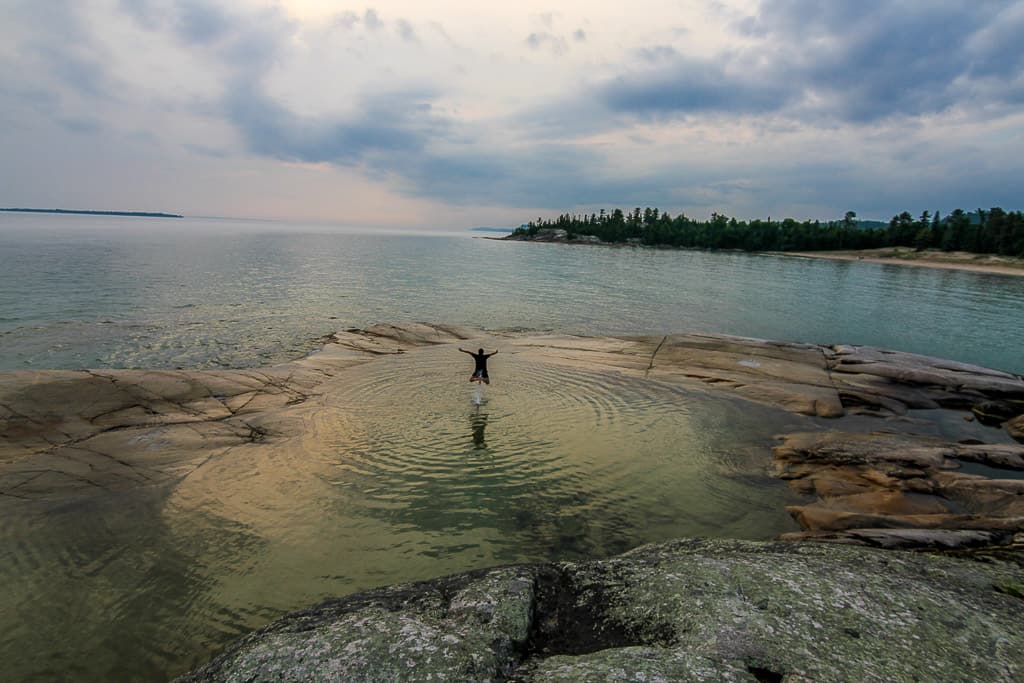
(686, 610)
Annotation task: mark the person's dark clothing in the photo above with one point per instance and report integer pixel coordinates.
(480, 370)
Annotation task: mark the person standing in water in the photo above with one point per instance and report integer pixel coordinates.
(480, 372)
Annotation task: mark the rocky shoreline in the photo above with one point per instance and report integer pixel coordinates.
(906, 256)
(690, 610)
(873, 475)
(902, 256)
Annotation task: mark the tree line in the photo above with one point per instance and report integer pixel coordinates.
(994, 231)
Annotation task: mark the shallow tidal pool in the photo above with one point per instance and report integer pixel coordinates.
(406, 471)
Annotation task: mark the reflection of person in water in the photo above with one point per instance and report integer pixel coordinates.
(480, 373)
(479, 424)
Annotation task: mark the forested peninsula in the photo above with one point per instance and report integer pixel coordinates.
(994, 231)
(143, 214)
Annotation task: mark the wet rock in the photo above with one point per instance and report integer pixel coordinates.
(907, 539)
(926, 371)
(1015, 428)
(791, 376)
(686, 610)
(996, 412)
(900, 481)
(64, 432)
(459, 628)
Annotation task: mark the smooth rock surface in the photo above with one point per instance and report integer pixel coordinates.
(868, 485)
(1015, 428)
(685, 610)
(68, 433)
(710, 610)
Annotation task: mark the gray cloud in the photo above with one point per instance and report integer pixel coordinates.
(395, 123)
(658, 53)
(206, 151)
(872, 60)
(872, 72)
(83, 125)
(55, 38)
(556, 44)
(857, 62)
(371, 20)
(406, 31)
(689, 86)
(145, 12)
(548, 175)
(202, 22)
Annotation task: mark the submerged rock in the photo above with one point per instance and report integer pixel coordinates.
(868, 485)
(1015, 428)
(704, 610)
(66, 433)
(686, 610)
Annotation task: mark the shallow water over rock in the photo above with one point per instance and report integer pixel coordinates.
(149, 517)
(398, 475)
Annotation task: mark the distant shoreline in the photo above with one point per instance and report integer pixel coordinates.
(143, 214)
(898, 256)
(904, 256)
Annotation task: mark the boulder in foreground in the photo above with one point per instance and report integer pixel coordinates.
(687, 610)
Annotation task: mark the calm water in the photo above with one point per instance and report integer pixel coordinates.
(403, 477)
(83, 291)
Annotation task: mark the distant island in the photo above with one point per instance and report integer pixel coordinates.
(992, 231)
(144, 214)
(492, 229)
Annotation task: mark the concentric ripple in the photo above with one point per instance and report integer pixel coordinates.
(405, 472)
(556, 461)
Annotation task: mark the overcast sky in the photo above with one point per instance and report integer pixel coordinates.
(448, 113)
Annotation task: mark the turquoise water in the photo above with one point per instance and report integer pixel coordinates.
(85, 291)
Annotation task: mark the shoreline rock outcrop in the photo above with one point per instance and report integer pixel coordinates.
(715, 610)
(869, 461)
(66, 433)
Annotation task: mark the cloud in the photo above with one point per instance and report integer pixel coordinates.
(849, 62)
(689, 86)
(85, 126)
(556, 44)
(872, 60)
(406, 31)
(202, 22)
(756, 107)
(55, 40)
(397, 122)
(845, 70)
(369, 20)
(548, 175)
(146, 13)
(995, 50)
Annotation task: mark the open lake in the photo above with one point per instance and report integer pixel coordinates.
(405, 478)
(87, 291)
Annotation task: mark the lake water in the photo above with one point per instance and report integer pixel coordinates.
(406, 478)
(85, 291)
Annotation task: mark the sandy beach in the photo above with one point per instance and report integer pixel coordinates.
(905, 256)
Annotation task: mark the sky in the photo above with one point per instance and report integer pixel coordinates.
(448, 113)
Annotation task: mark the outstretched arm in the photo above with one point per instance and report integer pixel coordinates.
(493, 354)
(465, 351)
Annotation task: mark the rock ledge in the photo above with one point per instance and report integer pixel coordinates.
(686, 610)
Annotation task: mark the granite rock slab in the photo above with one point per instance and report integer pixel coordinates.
(685, 610)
